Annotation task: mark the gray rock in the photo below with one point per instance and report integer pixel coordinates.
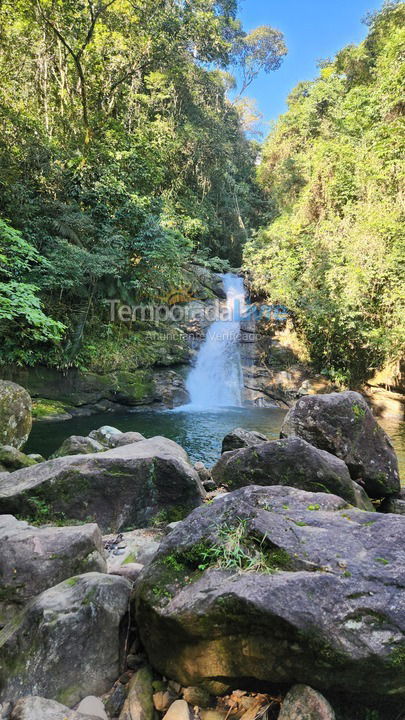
(33, 559)
(209, 279)
(169, 388)
(297, 587)
(240, 438)
(126, 438)
(67, 642)
(291, 462)
(135, 546)
(37, 708)
(122, 487)
(131, 571)
(342, 424)
(106, 435)
(139, 702)
(205, 476)
(13, 459)
(37, 457)
(115, 700)
(92, 706)
(15, 414)
(177, 711)
(78, 445)
(305, 703)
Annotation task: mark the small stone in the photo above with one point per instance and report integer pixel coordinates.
(303, 701)
(92, 705)
(175, 687)
(125, 678)
(162, 700)
(115, 701)
(178, 711)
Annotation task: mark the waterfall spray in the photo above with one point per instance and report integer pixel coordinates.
(217, 378)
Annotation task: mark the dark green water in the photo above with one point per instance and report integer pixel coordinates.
(199, 432)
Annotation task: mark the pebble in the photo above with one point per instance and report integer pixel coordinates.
(162, 700)
(116, 700)
(125, 678)
(178, 711)
(92, 705)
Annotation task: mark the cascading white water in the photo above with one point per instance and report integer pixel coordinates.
(217, 378)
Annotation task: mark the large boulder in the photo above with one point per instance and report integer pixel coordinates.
(129, 486)
(78, 445)
(126, 438)
(342, 424)
(291, 462)
(15, 414)
(67, 643)
(240, 438)
(33, 559)
(37, 708)
(13, 459)
(279, 585)
(106, 435)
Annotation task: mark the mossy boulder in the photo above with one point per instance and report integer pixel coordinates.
(291, 462)
(67, 643)
(343, 425)
(129, 486)
(13, 459)
(78, 445)
(57, 395)
(33, 559)
(277, 585)
(15, 414)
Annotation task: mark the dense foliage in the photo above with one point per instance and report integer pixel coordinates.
(121, 156)
(334, 248)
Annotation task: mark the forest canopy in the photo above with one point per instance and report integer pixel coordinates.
(121, 156)
(333, 249)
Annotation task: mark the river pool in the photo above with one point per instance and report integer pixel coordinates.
(200, 432)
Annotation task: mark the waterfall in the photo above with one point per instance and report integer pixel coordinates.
(217, 378)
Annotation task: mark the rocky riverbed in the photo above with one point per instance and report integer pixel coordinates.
(138, 586)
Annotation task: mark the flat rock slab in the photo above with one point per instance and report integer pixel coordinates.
(67, 642)
(343, 424)
(324, 603)
(122, 487)
(135, 546)
(33, 559)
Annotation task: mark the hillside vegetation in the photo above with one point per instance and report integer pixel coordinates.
(121, 158)
(333, 248)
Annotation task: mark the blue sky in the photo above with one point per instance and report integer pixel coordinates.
(313, 29)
